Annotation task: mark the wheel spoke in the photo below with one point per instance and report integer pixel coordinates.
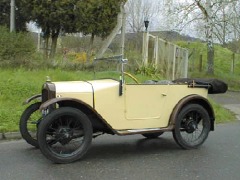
(52, 141)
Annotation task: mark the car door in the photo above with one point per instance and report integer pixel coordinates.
(145, 101)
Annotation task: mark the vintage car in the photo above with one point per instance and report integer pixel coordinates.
(69, 114)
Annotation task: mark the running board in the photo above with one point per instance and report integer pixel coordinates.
(142, 131)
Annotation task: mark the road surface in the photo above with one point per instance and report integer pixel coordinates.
(131, 157)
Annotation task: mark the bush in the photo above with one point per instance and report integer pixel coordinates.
(16, 49)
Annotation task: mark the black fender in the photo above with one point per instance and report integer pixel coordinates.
(99, 123)
(54, 101)
(37, 96)
(196, 99)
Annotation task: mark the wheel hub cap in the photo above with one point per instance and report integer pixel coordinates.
(191, 126)
(64, 134)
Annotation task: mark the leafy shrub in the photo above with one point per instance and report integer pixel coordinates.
(80, 57)
(150, 70)
(16, 49)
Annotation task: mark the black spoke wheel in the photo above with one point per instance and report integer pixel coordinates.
(192, 126)
(152, 135)
(65, 135)
(29, 122)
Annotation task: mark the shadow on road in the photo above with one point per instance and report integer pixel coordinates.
(131, 149)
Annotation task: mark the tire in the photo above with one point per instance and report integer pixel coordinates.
(65, 135)
(152, 135)
(192, 126)
(29, 122)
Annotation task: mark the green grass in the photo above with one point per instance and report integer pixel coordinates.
(16, 85)
(222, 115)
(222, 57)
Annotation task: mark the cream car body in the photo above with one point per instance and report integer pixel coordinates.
(141, 107)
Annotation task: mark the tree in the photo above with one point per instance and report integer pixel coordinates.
(213, 15)
(52, 16)
(234, 22)
(97, 17)
(22, 17)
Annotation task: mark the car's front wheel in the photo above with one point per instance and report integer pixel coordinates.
(65, 135)
(192, 126)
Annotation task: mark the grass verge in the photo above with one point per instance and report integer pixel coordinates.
(222, 115)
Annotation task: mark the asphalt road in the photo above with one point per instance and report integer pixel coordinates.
(131, 157)
(134, 157)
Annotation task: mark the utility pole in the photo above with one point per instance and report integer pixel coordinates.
(113, 34)
(12, 16)
(123, 31)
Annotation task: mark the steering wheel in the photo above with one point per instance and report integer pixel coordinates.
(132, 77)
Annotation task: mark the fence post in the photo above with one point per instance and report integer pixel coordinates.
(145, 48)
(174, 62)
(200, 63)
(156, 50)
(233, 63)
(186, 64)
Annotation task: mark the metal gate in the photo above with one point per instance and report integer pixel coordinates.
(170, 59)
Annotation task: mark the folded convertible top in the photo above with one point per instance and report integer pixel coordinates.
(214, 86)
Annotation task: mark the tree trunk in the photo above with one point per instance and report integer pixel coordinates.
(46, 35)
(209, 35)
(210, 58)
(46, 44)
(54, 43)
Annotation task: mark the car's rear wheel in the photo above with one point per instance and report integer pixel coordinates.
(65, 135)
(152, 135)
(28, 123)
(192, 126)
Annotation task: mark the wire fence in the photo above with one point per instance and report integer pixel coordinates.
(170, 59)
